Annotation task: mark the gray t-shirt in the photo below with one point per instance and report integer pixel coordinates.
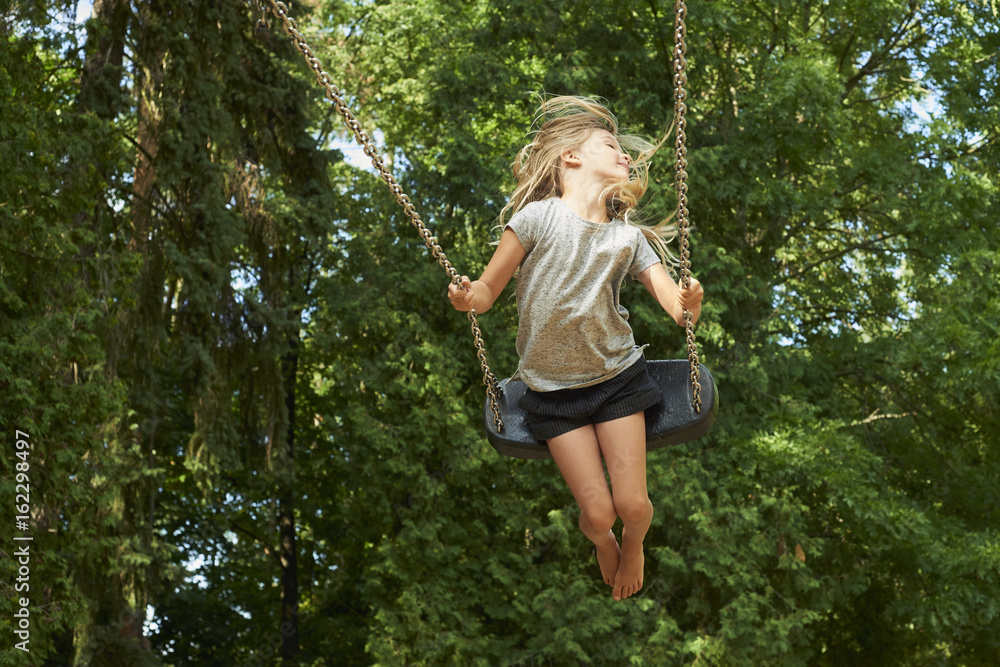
(572, 331)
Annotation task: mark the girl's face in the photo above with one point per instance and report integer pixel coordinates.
(603, 156)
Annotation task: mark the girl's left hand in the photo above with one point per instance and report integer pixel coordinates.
(690, 299)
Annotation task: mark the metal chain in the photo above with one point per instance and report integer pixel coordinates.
(333, 93)
(680, 179)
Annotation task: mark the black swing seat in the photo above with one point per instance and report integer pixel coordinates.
(672, 421)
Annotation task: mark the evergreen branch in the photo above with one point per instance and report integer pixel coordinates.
(835, 255)
(139, 147)
(847, 50)
(267, 550)
(876, 58)
(820, 15)
(875, 416)
(770, 19)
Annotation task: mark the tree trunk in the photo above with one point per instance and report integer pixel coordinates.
(286, 518)
(122, 606)
(148, 83)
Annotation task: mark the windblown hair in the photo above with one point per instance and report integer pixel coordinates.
(564, 123)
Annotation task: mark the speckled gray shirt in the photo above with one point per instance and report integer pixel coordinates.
(572, 331)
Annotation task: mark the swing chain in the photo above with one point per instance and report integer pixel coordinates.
(680, 179)
(493, 388)
(262, 13)
(334, 94)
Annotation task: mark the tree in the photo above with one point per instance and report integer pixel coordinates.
(60, 266)
(792, 533)
(278, 413)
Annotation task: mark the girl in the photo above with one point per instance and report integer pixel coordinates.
(572, 241)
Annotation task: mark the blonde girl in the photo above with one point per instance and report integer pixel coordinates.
(572, 239)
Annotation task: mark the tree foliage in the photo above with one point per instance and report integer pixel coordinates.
(254, 413)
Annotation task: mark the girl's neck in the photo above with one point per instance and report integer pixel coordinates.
(588, 208)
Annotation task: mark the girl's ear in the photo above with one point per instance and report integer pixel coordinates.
(570, 158)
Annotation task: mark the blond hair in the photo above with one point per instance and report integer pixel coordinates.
(564, 123)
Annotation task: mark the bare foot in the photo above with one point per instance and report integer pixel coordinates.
(608, 556)
(628, 579)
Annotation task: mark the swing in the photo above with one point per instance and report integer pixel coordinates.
(689, 402)
(670, 422)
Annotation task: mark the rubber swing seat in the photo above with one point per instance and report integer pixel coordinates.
(672, 421)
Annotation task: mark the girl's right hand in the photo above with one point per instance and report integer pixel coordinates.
(462, 297)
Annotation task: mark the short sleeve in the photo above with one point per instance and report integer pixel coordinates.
(644, 257)
(526, 223)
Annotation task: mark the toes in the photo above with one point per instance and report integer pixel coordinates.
(626, 591)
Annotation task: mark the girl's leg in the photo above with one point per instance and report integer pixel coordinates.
(578, 456)
(623, 443)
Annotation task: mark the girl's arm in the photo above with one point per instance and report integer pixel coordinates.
(481, 294)
(672, 298)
